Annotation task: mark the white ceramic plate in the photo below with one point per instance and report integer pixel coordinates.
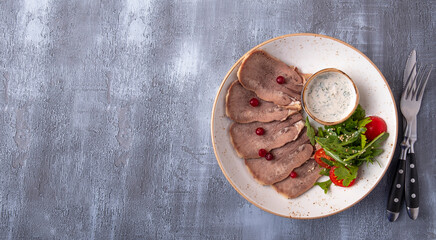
(310, 53)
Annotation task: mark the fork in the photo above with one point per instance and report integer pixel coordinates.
(410, 104)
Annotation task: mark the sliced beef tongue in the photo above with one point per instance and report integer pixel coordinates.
(276, 134)
(307, 175)
(286, 158)
(258, 73)
(238, 107)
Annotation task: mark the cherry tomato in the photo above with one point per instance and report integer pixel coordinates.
(375, 127)
(320, 153)
(335, 180)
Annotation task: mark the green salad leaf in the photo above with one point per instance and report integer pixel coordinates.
(324, 185)
(347, 174)
(347, 144)
(362, 140)
(310, 131)
(362, 123)
(324, 172)
(328, 162)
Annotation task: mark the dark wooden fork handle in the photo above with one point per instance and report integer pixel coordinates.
(412, 187)
(395, 199)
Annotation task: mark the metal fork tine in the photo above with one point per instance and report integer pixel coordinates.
(419, 79)
(407, 85)
(421, 91)
(409, 90)
(410, 74)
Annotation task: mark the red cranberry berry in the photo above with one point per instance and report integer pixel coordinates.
(260, 131)
(269, 157)
(293, 174)
(280, 80)
(254, 102)
(262, 152)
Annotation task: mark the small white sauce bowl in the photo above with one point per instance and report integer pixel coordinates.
(307, 107)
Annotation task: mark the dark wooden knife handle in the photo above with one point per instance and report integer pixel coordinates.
(395, 200)
(412, 186)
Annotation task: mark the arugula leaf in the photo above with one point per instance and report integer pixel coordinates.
(325, 172)
(324, 185)
(331, 132)
(328, 162)
(376, 142)
(332, 143)
(362, 140)
(359, 113)
(377, 152)
(338, 130)
(350, 124)
(310, 132)
(347, 174)
(320, 132)
(350, 138)
(362, 123)
(329, 152)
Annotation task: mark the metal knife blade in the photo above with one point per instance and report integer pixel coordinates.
(410, 66)
(408, 74)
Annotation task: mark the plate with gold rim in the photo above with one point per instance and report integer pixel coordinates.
(310, 53)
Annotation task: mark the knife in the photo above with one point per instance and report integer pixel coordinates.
(411, 182)
(395, 199)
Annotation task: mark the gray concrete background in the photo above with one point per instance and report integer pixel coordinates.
(105, 115)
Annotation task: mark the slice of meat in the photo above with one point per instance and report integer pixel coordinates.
(238, 107)
(286, 158)
(258, 73)
(307, 175)
(304, 76)
(247, 143)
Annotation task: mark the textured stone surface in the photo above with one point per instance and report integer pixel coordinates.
(105, 115)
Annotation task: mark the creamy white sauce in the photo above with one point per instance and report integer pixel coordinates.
(330, 96)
